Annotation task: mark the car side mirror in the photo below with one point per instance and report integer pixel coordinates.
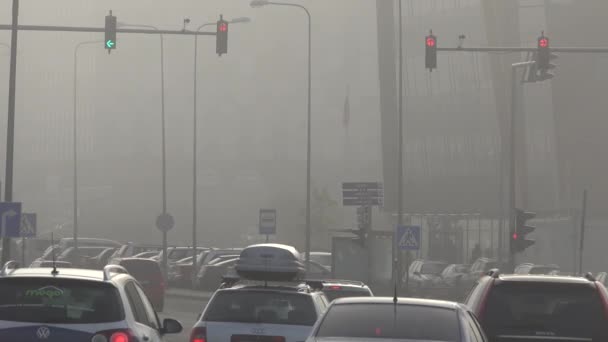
(171, 326)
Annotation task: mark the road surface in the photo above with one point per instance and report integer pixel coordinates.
(184, 310)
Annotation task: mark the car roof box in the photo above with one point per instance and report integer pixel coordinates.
(270, 262)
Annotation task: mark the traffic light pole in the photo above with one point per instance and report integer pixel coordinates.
(10, 136)
(10, 129)
(512, 141)
(101, 29)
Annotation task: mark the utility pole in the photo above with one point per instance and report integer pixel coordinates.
(396, 266)
(10, 129)
(582, 237)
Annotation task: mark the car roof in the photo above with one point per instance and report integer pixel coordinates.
(70, 273)
(271, 288)
(543, 278)
(344, 283)
(400, 301)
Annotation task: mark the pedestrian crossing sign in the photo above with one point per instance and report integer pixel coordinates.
(408, 238)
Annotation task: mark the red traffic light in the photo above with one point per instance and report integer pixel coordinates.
(430, 41)
(543, 42)
(514, 236)
(222, 27)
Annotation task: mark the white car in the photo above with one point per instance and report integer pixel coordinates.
(273, 313)
(76, 305)
(279, 309)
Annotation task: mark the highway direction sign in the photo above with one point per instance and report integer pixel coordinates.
(362, 194)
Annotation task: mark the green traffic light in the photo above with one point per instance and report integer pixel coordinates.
(110, 43)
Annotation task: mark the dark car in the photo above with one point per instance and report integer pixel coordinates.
(81, 257)
(213, 272)
(396, 319)
(540, 307)
(147, 272)
(334, 289)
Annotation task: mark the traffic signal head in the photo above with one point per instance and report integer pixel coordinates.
(221, 37)
(110, 33)
(430, 56)
(519, 242)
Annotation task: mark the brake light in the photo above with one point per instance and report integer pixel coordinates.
(278, 339)
(335, 287)
(121, 335)
(198, 334)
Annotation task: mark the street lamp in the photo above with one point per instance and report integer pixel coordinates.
(260, 3)
(74, 140)
(194, 141)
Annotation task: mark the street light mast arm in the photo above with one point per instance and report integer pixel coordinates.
(291, 5)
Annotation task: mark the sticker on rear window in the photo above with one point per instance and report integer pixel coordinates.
(45, 292)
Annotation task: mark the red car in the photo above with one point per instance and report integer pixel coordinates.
(147, 272)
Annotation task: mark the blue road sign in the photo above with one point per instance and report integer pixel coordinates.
(10, 219)
(268, 221)
(28, 225)
(408, 238)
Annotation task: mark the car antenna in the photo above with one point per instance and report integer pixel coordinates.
(54, 271)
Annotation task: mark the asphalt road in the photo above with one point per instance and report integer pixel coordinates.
(184, 310)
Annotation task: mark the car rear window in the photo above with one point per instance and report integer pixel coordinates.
(142, 269)
(545, 310)
(404, 322)
(59, 301)
(333, 292)
(262, 307)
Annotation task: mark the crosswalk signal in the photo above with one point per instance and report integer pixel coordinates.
(110, 33)
(519, 242)
(221, 36)
(430, 56)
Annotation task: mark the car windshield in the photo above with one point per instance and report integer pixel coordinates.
(545, 309)
(432, 268)
(262, 307)
(405, 322)
(59, 301)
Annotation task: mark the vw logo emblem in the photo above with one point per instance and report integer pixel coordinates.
(43, 333)
(257, 331)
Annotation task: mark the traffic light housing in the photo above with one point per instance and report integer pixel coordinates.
(543, 59)
(110, 33)
(430, 56)
(519, 242)
(221, 37)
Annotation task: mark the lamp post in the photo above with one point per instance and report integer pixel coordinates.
(195, 143)
(74, 140)
(163, 135)
(260, 3)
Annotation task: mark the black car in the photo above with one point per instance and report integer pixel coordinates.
(540, 307)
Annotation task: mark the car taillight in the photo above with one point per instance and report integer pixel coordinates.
(278, 339)
(122, 335)
(198, 334)
(335, 287)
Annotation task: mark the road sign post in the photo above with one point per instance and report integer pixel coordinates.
(164, 223)
(407, 239)
(27, 230)
(268, 222)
